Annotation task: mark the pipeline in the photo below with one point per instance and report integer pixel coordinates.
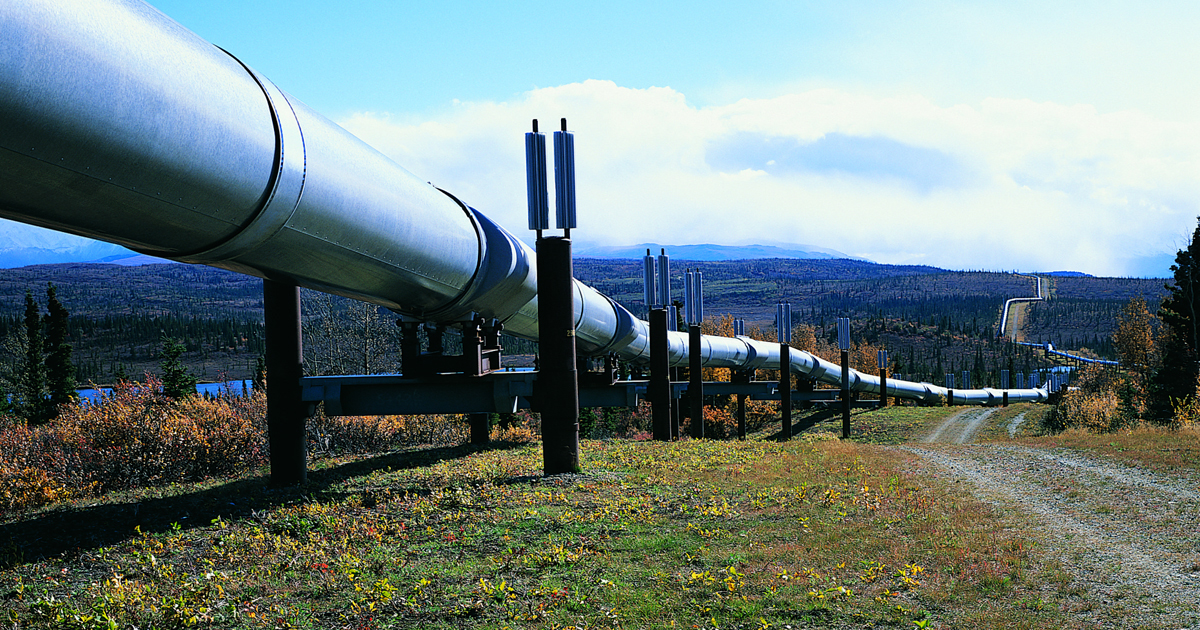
(1050, 350)
(123, 126)
(1011, 301)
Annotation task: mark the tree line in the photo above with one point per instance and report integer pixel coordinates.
(1159, 352)
(42, 375)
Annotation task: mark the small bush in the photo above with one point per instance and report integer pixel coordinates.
(1102, 401)
(1097, 412)
(368, 434)
(132, 437)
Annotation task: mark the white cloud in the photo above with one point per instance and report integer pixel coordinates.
(1044, 186)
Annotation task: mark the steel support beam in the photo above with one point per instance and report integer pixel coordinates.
(558, 382)
(676, 411)
(695, 382)
(785, 391)
(883, 378)
(480, 428)
(286, 411)
(660, 375)
(845, 396)
(741, 377)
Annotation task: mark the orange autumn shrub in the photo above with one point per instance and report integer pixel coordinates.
(132, 437)
(368, 434)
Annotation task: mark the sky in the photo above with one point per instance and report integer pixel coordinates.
(995, 135)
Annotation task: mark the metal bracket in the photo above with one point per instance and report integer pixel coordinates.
(481, 349)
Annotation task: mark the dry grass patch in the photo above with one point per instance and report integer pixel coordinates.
(1160, 449)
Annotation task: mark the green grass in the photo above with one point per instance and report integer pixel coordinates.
(890, 425)
(690, 534)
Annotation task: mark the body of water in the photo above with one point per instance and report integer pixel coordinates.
(237, 388)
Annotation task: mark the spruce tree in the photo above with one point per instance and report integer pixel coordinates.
(60, 371)
(32, 404)
(177, 382)
(260, 375)
(1177, 374)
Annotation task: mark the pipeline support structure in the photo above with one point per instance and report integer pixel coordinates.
(189, 154)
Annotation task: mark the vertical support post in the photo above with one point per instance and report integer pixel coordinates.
(883, 375)
(676, 412)
(410, 348)
(843, 326)
(480, 428)
(741, 416)
(472, 348)
(845, 394)
(949, 397)
(695, 382)
(660, 375)
(558, 383)
(435, 339)
(741, 376)
(1004, 399)
(286, 413)
(785, 391)
(883, 378)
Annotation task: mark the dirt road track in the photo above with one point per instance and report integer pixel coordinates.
(1129, 538)
(961, 427)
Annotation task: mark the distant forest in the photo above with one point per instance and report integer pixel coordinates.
(932, 321)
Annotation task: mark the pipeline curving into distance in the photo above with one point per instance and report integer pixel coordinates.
(1008, 303)
(1049, 349)
(123, 126)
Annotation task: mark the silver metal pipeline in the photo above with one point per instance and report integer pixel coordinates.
(1009, 302)
(121, 125)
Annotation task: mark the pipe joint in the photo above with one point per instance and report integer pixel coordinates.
(283, 191)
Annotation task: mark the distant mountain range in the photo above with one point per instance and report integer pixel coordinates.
(708, 252)
(22, 245)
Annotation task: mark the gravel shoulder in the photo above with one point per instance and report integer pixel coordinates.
(1126, 540)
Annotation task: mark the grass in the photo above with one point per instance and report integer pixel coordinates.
(695, 534)
(997, 427)
(1153, 448)
(890, 425)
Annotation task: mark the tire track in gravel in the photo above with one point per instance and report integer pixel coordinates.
(966, 423)
(1129, 537)
(1015, 424)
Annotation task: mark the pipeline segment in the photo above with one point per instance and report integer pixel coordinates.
(1008, 303)
(123, 126)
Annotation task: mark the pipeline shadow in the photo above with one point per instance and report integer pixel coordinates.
(73, 530)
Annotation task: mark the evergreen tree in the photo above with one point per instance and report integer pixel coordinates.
(32, 404)
(1176, 377)
(60, 371)
(177, 382)
(260, 375)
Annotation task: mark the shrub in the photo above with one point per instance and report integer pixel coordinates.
(1102, 401)
(132, 437)
(1096, 411)
(367, 434)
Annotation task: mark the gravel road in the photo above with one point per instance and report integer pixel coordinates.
(1128, 538)
(961, 427)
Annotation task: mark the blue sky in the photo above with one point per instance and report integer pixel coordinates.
(973, 135)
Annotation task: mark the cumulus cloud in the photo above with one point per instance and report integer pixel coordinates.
(1004, 184)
